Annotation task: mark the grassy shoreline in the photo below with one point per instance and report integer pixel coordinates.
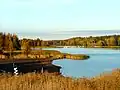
(50, 54)
(32, 81)
(58, 55)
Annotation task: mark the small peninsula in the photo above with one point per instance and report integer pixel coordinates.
(13, 47)
(42, 54)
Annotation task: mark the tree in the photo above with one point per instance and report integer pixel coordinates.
(16, 43)
(100, 43)
(26, 47)
(10, 47)
(113, 41)
(38, 42)
(118, 41)
(1, 40)
(6, 41)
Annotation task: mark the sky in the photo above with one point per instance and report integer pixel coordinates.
(59, 15)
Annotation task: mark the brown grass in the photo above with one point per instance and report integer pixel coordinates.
(52, 54)
(31, 81)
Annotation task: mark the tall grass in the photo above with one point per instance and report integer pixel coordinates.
(32, 81)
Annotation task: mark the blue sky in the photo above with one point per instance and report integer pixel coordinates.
(59, 15)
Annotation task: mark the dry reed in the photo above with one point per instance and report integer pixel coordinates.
(32, 81)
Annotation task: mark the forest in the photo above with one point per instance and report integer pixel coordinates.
(98, 41)
(12, 42)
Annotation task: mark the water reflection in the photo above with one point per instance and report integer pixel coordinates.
(18, 68)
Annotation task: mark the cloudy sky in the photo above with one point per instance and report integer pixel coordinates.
(59, 15)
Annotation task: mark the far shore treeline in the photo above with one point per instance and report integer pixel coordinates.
(8, 40)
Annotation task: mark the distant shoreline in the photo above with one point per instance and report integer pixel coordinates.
(56, 35)
(111, 47)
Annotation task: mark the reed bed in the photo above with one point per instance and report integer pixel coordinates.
(37, 81)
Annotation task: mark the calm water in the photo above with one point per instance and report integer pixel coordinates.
(101, 60)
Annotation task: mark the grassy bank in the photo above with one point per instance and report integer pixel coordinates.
(58, 55)
(50, 54)
(76, 56)
(31, 81)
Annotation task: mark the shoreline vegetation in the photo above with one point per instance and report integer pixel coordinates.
(42, 54)
(111, 47)
(54, 55)
(32, 81)
(12, 42)
(12, 47)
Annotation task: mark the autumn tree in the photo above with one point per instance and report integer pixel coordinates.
(100, 43)
(118, 41)
(26, 47)
(111, 40)
(16, 43)
(1, 40)
(10, 47)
